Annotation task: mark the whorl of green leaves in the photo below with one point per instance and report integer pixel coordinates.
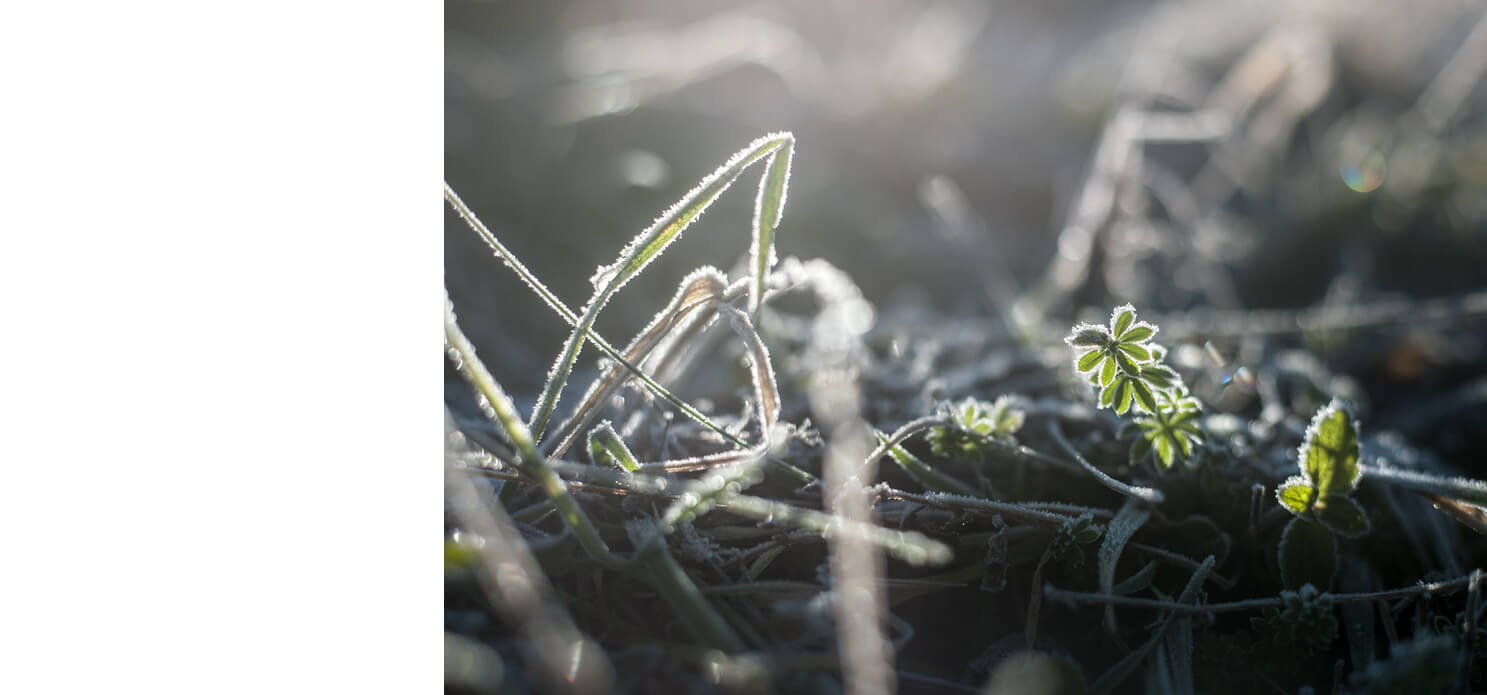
(1112, 359)
(1067, 539)
(1121, 361)
(1328, 459)
(970, 423)
(1171, 432)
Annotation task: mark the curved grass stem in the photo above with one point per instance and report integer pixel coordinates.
(572, 319)
(1146, 494)
(532, 463)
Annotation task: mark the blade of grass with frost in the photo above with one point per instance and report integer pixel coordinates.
(499, 406)
(672, 356)
(906, 430)
(606, 447)
(571, 319)
(766, 391)
(923, 473)
(702, 495)
(768, 209)
(1126, 666)
(701, 290)
(1147, 494)
(910, 546)
(1012, 510)
(641, 250)
(678, 589)
(1136, 582)
(1456, 488)
(1125, 524)
(701, 463)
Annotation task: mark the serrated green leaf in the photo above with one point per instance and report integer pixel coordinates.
(1107, 372)
(1122, 395)
(1158, 368)
(1122, 319)
(1307, 555)
(1329, 453)
(1135, 352)
(1296, 495)
(1107, 396)
(1089, 361)
(1164, 451)
(1089, 336)
(1144, 396)
(1156, 378)
(1140, 332)
(1183, 442)
(1126, 365)
(1342, 514)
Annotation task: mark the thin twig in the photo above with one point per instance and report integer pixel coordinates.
(1445, 587)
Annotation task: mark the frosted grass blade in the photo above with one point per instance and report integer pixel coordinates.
(636, 255)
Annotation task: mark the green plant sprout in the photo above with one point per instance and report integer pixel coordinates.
(1121, 361)
(970, 423)
(1112, 359)
(1320, 498)
(1171, 432)
(1328, 459)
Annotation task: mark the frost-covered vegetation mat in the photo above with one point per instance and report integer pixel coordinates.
(777, 486)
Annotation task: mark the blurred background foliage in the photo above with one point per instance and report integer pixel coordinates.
(1255, 155)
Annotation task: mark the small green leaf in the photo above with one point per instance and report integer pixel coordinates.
(1140, 332)
(1135, 352)
(1128, 367)
(1123, 389)
(1160, 376)
(1089, 336)
(1329, 453)
(1296, 495)
(1342, 514)
(1107, 372)
(1107, 396)
(1307, 554)
(1122, 318)
(1089, 360)
(1164, 451)
(1144, 396)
